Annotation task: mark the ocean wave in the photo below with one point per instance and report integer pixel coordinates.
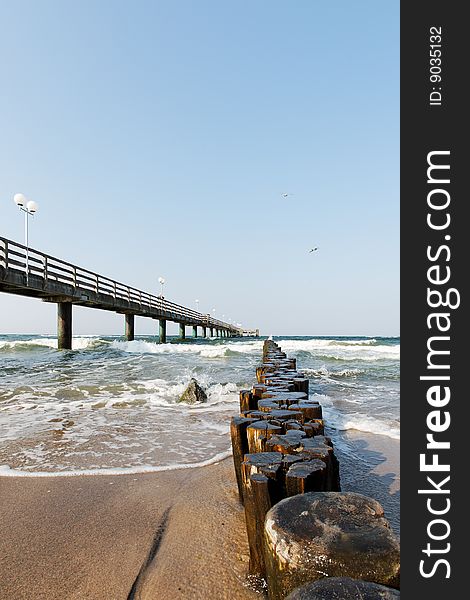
(78, 343)
(6, 471)
(322, 343)
(204, 350)
(343, 350)
(153, 393)
(324, 372)
(360, 422)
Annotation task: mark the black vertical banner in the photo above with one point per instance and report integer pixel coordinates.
(435, 248)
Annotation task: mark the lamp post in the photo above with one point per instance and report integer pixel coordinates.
(197, 305)
(29, 207)
(161, 281)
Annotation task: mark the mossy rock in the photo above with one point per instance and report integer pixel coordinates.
(193, 393)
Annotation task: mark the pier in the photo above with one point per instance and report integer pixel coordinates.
(28, 272)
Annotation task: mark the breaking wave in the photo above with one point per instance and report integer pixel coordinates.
(362, 350)
(204, 350)
(78, 343)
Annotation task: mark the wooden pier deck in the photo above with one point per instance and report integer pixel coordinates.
(29, 272)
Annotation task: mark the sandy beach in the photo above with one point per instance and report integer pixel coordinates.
(174, 534)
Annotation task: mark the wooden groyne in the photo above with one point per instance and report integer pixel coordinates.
(301, 528)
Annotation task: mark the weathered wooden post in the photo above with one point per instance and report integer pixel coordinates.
(195, 331)
(345, 588)
(129, 327)
(64, 325)
(162, 331)
(238, 427)
(258, 433)
(257, 504)
(247, 401)
(182, 331)
(328, 534)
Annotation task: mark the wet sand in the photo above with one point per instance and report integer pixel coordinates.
(370, 465)
(174, 534)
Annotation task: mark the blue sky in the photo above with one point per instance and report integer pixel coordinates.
(157, 138)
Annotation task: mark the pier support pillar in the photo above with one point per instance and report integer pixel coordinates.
(195, 331)
(129, 328)
(212, 332)
(204, 332)
(64, 325)
(162, 331)
(182, 331)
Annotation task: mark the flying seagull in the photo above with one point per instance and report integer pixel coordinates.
(313, 249)
(286, 194)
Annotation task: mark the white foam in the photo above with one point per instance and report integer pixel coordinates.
(158, 393)
(367, 424)
(78, 343)
(6, 471)
(325, 372)
(368, 350)
(204, 350)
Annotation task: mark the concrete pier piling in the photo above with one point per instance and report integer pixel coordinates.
(204, 332)
(284, 461)
(64, 325)
(129, 327)
(162, 331)
(182, 331)
(194, 331)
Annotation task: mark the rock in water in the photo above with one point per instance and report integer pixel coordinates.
(193, 393)
(328, 534)
(343, 588)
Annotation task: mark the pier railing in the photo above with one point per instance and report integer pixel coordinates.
(31, 262)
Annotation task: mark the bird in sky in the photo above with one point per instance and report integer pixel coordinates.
(286, 194)
(313, 249)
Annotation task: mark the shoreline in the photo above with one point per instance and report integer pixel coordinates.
(91, 536)
(370, 465)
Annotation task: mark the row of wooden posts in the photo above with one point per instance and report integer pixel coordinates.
(279, 451)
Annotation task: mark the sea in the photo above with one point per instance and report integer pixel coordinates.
(111, 406)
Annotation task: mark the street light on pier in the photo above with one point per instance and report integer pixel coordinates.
(29, 207)
(161, 281)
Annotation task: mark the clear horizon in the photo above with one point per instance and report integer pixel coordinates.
(158, 140)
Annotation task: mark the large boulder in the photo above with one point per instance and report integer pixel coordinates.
(343, 588)
(328, 534)
(193, 393)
